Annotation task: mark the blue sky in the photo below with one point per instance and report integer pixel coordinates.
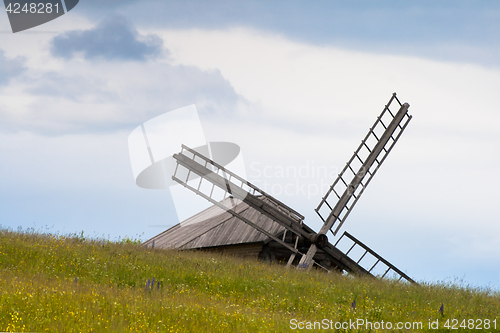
(294, 84)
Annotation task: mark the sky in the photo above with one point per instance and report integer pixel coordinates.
(296, 84)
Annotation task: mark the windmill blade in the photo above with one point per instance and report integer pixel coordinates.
(231, 184)
(345, 192)
(370, 261)
(215, 183)
(365, 162)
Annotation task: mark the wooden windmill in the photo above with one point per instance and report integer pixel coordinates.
(284, 226)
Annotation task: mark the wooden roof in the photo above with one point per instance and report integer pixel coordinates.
(216, 227)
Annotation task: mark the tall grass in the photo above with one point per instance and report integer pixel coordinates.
(52, 283)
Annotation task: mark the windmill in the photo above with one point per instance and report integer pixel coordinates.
(230, 193)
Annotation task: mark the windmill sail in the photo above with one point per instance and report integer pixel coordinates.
(215, 183)
(341, 197)
(371, 262)
(346, 190)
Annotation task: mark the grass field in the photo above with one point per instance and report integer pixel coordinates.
(51, 283)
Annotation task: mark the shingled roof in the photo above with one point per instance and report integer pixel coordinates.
(216, 227)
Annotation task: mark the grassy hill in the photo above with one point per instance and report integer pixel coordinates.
(52, 283)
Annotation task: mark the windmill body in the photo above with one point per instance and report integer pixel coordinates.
(243, 212)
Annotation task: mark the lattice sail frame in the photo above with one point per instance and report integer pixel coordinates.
(351, 183)
(370, 260)
(216, 183)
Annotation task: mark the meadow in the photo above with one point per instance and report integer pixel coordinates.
(54, 283)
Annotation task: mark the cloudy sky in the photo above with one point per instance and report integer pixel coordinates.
(296, 84)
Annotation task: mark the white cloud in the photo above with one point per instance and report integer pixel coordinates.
(86, 96)
(301, 81)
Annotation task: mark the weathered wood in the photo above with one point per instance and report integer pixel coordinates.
(355, 182)
(233, 189)
(378, 257)
(216, 227)
(237, 215)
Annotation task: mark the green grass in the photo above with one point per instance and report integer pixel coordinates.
(54, 283)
